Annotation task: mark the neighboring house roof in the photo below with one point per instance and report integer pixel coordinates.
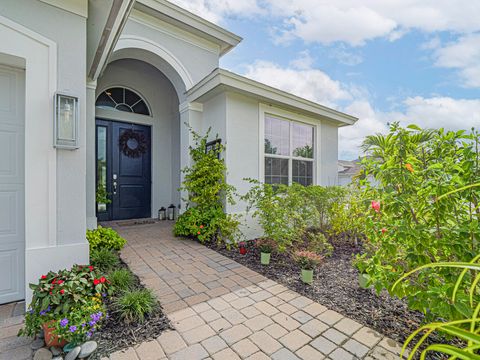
(349, 168)
(221, 80)
(188, 21)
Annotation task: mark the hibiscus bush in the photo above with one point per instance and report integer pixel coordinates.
(58, 293)
(405, 173)
(207, 193)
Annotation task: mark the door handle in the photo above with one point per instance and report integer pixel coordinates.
(114, 184)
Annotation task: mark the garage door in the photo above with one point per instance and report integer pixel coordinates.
(12, 193)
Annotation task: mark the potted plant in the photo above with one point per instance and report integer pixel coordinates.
(242, 248)
(307, 260)
(67, 297)
(266, 247)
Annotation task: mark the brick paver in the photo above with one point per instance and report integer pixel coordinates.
(222, 310)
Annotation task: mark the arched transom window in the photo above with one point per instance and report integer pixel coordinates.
(121, 99)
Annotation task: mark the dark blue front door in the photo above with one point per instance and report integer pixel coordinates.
(128, 170)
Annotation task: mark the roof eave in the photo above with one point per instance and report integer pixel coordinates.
(237, 83)
(178, 16)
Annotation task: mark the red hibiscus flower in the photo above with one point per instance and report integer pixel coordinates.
(44, 277)
(96, 282)
(62, 291)
(102, 279)
(376, 205)
(91, 268)
(59, 282)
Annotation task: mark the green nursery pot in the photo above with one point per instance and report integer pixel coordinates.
(265, 258)
(307, 276)
(363, 280)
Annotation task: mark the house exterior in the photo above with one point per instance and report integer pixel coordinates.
(347, 169)
(96, 100)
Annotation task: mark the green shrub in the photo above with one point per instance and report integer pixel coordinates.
(266, 245)
(121, 279)
(284, 212)
(205, 218)
(104, 259)
(307, 260)
(134, 305)
(317, 242)
(105, 238)
(406, 224)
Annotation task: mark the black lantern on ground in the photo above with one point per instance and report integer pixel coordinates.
(171, 212)
(162, 214)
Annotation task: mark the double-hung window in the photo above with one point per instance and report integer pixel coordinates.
(289, 151)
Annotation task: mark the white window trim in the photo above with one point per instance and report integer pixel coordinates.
(264, 110)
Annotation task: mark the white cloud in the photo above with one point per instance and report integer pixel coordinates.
(464, 55)
(436, 112)
(353, 22)
(216, 10)
(306, 82)
(344, 56)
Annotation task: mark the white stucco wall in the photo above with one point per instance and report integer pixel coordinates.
(162, 99)
(52, 42)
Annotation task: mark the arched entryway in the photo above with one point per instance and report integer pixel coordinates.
(137, 140)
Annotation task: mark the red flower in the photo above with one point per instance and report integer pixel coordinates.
(201, 226)
(376, 205)
(44, 277)
(54, 281)
(102, 279)
(198, 233)
(59, 282)
(51, 293)
(91, 268)
(96, 282)
(384, 230)
(62, 291)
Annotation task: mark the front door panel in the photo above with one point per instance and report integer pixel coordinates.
(128, 172)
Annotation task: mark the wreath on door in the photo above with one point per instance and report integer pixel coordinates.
(132, 144)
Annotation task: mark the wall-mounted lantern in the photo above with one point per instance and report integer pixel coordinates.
(66, 122)
(171, 212)
(162, 214)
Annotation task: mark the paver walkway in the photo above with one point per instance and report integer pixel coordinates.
(223, 310)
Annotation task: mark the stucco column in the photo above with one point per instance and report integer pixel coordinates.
(90, 145)
(190, 116)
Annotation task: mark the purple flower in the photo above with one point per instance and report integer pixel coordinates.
(43, 312)
(89, 334)
(73, 328)
(92, 322)
(83, 325)
(104, 295)
(63, 322)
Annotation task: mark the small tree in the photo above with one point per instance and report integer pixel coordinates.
(207, 192)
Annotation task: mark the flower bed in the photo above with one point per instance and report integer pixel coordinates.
(335, 285)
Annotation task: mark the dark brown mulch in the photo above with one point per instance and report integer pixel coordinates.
(336, 287)
(116, 334)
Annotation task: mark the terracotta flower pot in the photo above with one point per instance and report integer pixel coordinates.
(265, 258)
(50, 338)
(307, 276)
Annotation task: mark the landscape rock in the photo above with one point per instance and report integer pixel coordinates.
(43, 354)
(56, 351)
(37, 344)
(87, 349)
(73, 354)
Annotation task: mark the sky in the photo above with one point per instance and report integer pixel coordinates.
(412, 61)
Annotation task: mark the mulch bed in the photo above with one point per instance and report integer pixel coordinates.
(336, 286)
(116, 334)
